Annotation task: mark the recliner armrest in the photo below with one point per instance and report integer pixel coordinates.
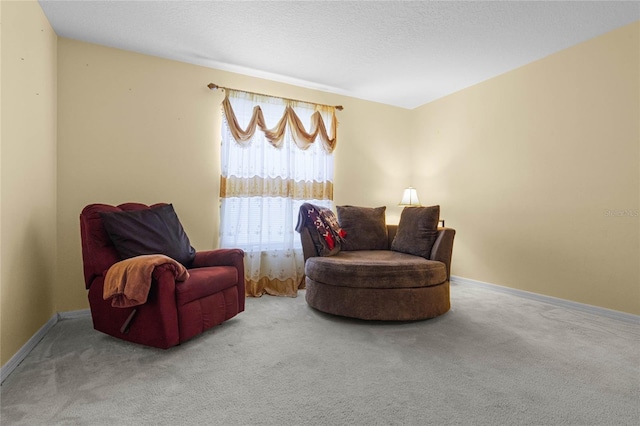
(224, 257)
(443, 248)
(219, 257)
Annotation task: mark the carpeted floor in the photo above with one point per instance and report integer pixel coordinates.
(494, 359)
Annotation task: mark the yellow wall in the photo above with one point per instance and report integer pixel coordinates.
(527, 166)
(139, 128)
(28, 182)
(524, 165)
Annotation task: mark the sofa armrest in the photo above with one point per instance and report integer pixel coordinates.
(392, 230)
(308, 248)
(443, 248)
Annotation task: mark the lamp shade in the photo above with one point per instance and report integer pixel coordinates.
(410, 197)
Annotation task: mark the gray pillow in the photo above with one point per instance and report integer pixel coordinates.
(365, 228)
(417, 231)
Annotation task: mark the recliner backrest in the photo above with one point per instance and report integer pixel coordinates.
(98, 251)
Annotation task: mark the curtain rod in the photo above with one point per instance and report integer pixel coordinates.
(215, 86)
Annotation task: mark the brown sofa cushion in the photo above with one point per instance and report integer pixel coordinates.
(375, 269)
(365, 227)
(417, 231)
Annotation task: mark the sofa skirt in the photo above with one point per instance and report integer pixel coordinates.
(382, 304)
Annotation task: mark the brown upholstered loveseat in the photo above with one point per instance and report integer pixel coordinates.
(380, 284)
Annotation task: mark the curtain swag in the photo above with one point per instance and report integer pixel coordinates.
(275, 136)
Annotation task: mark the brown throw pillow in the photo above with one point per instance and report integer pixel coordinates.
(365, 228)
(417, 231)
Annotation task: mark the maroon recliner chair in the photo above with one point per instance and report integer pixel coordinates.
(174, 311)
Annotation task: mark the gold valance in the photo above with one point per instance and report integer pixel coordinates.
(273, 286)
(274, 187)
(275, 136)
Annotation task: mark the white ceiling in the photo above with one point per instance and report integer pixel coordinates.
(403, 53)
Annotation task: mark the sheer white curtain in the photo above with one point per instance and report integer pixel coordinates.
(262, 188)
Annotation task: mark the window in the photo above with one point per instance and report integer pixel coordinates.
(266, 176)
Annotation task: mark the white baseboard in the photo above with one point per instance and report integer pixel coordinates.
(19, 356)
(82, 313)
(596, 310)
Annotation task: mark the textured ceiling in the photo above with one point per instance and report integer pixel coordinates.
(403, 53)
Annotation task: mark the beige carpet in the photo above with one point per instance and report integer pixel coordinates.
(494, 359)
